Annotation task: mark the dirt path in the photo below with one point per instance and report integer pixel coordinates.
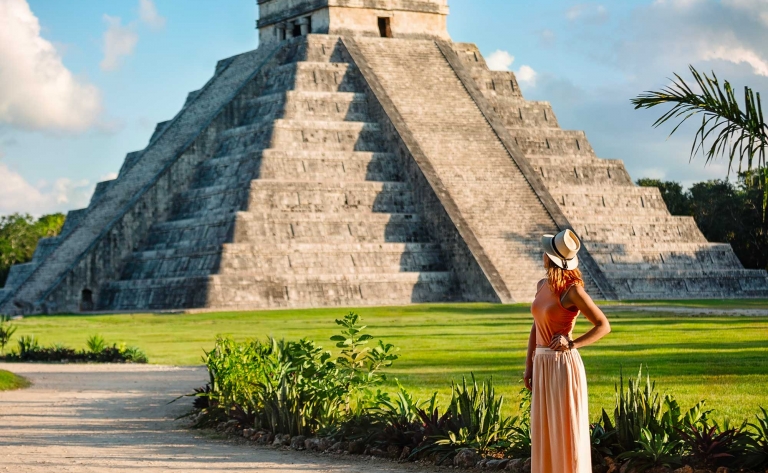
(109, 418)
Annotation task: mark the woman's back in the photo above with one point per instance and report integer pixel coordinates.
(550, 316)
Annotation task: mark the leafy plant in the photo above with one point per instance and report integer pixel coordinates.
(474, 421)
(655, 449)
(637, 407)
(740, 134)
(28, 345)
(295, 387)
(712, 446)
(602, 440)
(95, 344)
(757, 453)
(134, 355)
(6, 331)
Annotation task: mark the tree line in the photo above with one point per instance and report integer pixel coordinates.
(19, 234)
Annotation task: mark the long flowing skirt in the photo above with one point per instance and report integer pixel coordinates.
(560, 440)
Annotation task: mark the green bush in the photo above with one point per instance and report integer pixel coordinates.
(6, 332)
(29, 349)
(294, 387)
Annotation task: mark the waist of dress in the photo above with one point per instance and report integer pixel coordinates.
(549, 351)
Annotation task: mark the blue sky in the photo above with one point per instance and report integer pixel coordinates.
(89, 85)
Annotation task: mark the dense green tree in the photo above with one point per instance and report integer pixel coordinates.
(19, 235)
(678, 202)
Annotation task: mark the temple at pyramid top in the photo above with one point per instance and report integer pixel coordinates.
(284, 19)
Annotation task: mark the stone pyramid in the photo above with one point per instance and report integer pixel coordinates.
(359, 157)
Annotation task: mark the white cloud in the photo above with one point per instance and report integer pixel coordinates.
(526, 75)
(37, 91)
(500, 60)
(119, 41)
(18, 195)
(149, 15)
(738, 55)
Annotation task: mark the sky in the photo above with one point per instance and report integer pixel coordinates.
(84, 82)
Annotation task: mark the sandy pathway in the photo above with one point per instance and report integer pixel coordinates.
(109, 418)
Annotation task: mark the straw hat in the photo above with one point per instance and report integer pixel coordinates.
(562, 249)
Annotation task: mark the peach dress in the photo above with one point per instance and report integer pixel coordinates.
(560, 440)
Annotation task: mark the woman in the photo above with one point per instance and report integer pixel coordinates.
(554, 372)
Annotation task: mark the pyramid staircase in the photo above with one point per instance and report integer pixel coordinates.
(302, 204)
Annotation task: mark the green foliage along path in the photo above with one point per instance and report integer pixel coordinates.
(10, 381)
(720, 359)
(19, 235)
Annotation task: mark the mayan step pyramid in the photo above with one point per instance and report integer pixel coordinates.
(359, 157)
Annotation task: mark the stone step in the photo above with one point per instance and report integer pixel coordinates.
(684, 230)
(330, 197)
(282, 227)
(315, 77)
(210, 230)
(659, 247)
(598, 173)
(597, 213)
(303, 135)
(709, 283)
(328, 135)
(285, 259)
(305, 105)
(260, 292)
(603, 216)
(614, 197)
(527, 114)
(552, 142)
(352, 227)
(304, 165)
(296, 196)
(317, 48)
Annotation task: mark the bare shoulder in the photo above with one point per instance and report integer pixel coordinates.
(540, 284)
(577, 296)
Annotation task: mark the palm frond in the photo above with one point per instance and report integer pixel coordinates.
(740, 135)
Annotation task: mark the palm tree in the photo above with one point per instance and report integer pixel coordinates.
(741, 135)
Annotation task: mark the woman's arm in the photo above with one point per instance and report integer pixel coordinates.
(528, 375)
(578, 297)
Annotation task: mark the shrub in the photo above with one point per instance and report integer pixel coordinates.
(294, 387)
(6, 332)
(653, 449)
(714, 446)
(29, 349)
(640, 407)
(95, 344)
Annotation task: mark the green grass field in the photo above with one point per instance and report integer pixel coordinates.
(720, 359)
(9, 381)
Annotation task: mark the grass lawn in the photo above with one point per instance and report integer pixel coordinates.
(10, 381)
(720, 359)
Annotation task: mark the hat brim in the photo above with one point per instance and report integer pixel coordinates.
(548, 244)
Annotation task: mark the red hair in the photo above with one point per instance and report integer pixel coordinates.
(560, 279)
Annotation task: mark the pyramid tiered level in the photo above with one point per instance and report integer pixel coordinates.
(345, 169)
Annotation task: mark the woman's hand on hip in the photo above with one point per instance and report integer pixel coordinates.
(560, 343)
